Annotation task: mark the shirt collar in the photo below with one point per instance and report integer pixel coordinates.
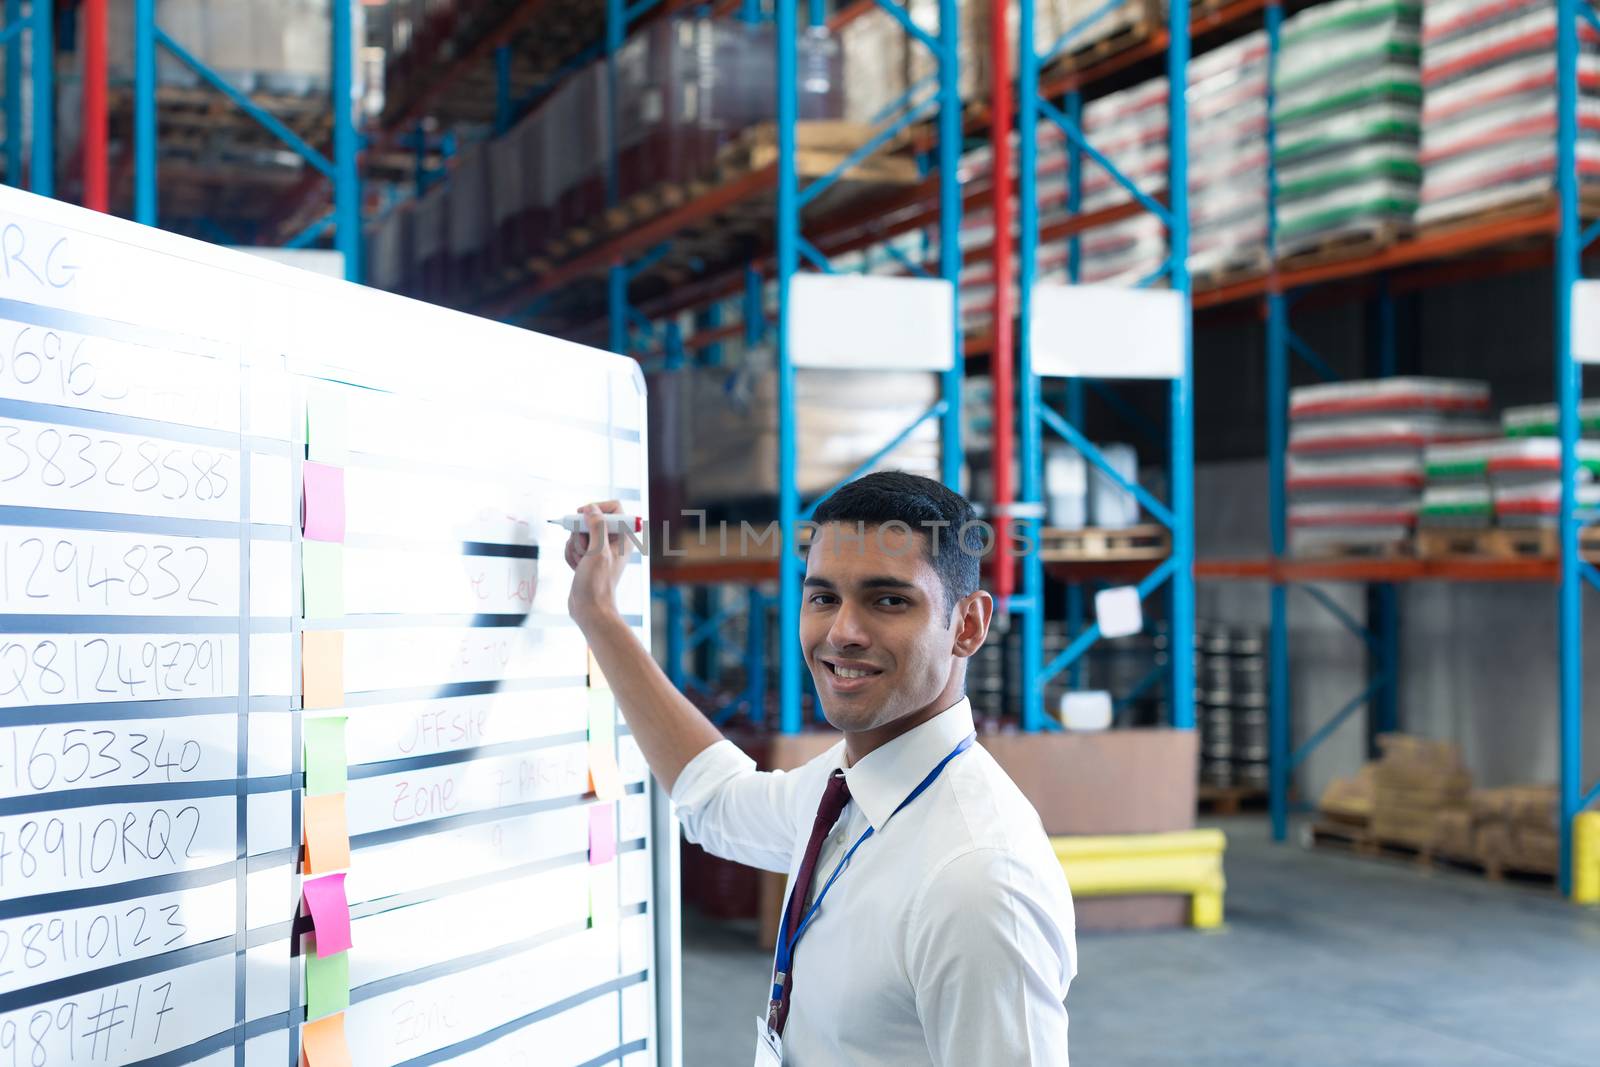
(884, 777)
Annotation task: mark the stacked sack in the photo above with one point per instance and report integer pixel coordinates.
(1347, 111)
(1456, 493)
(1489, 115)
(1228, 157)
(1515, 828)
(1525, 472)
(1356, 473)
(1129, 128)
(1417, 780)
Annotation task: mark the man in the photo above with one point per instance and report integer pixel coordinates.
(929, 921)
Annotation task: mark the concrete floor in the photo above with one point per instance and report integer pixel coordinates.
(1327, 959)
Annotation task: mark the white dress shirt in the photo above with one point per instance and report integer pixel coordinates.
(949, 938)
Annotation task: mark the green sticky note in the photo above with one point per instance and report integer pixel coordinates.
(322, 578)
(327, 425)
(604, 897)
(602, 719)
(327, 984)
(327, 766)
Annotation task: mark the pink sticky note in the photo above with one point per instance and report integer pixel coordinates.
(602, 833)
(323, 511)
(330, 913)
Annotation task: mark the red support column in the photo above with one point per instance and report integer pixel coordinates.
(96, 165)
(1003, 351)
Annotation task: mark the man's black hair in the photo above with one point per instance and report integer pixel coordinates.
(938, 514)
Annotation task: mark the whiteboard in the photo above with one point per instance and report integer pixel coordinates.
(244, 510)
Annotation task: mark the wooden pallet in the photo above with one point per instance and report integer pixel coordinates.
(1369, 550)
(1501, 543)
(1230, 799)
(1098, 545)
(1521, 208)
(1352, 838)
(1113, 42)
(820, 147)
(1366, 240)
(1228, 274)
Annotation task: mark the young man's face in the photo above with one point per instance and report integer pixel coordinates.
(875, 627)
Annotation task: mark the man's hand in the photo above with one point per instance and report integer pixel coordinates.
(597, 562)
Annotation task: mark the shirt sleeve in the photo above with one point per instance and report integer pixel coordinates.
(990, 957)
(734, 811)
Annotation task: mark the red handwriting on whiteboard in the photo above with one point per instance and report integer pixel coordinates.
(442, 729)
(413, 802)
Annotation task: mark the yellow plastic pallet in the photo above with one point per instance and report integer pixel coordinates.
(1186, 862)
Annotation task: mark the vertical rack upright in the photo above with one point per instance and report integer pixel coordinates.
(40, 152)
(1035, 415)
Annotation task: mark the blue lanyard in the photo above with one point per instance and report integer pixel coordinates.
(786, 945)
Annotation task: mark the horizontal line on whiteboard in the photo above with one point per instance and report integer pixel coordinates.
(84, 418)
(121, 710)
(381, 620)
(121, 522)
(462, 689)
(271, 934)
(441, 544)
(54, 318)
(148, 793)
(581, 491)
(473, 818)
(398, 901)
(488, 1037)
(67, 899)
(139, 624)
(278, 857)
(464, 755)
(233, 1036)
(126, 971)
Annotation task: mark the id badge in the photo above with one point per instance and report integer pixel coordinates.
(769, 1046)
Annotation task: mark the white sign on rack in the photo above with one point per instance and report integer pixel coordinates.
(1106, 331)
(866, 322)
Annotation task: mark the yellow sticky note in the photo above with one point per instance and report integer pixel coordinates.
(597, 678)
(327, 425)
(322, 578)
(323, 1044)
(327, 834)
(322, 668)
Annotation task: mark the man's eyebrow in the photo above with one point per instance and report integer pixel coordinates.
(820, 583)
(886, 582)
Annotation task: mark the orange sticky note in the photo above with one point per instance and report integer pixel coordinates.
(597, 678)
(322, 668)
(323, 1044)
(327, 834)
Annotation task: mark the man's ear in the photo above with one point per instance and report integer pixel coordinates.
(972, 616)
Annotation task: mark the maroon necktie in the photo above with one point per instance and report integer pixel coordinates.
(834, 798)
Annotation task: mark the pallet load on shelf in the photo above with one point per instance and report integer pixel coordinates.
(1355, 473)
(1129, 128)
(1416, 779)
(1489, 110)
(1347, 106)
(281, 47)
(1525, 473)
(1456, 494)
(1228, 160)
(841, 420)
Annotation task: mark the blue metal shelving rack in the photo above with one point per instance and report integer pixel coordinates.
(1034, 415)
(1381, 631)
(41, 66)
(341, 170)
(628, 326)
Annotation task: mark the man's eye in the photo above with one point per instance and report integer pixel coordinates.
(821, 598)
(893, 601)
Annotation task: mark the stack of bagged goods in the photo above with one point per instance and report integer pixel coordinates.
(1515, 828)
(1416, 779)
(1348, 801)
(1228, 158)
(1489, 113)
(841, 421)
(1525, 472)
(1347, 108)
(1356, 465)
(1129, 128)
(1456, 494)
